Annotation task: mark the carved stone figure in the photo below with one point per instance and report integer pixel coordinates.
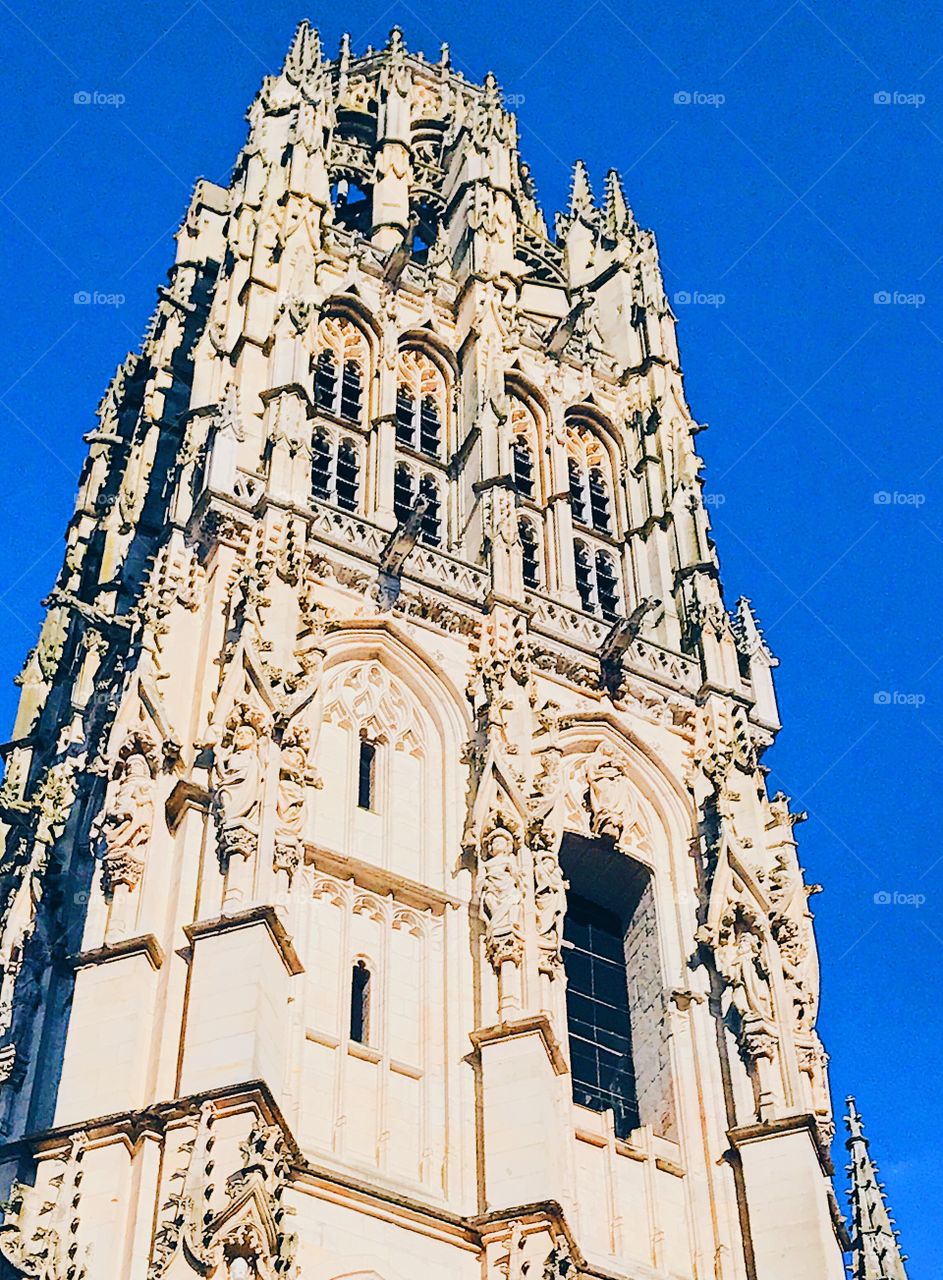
(741, 959)
(237, 795)
(612, 806)
(550, 901)
(501, 897)
(291, 802)
(126, 821)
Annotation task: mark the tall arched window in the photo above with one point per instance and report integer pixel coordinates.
(340, 368)
(524, 449)
(408, 488)
(335, 469)
(421, 401)
(530, 553)
(590, 479)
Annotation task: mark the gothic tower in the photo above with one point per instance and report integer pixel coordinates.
(390, 884)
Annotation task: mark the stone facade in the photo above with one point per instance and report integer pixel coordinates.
(389, 618)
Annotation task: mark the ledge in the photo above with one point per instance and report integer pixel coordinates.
(531, 1024)
(146, 944)
(264, 915)
(366, 875)
(185, 795)
(745, 1134)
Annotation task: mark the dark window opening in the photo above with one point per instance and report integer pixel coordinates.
(366, 775)
(360, 1003)
(577, 494)
(584, 575)
(347, 478)
(325, 381)
(350, 391)
(321, 466)
(530, 565)
(402, 493)
(352, 206)
(405, 416)
(430, 427)
(429, 531)
(424, 235)
(523, 469)
(599, 501)
(607, 587)
(597, 1003)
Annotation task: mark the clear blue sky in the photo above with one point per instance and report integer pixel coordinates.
(785, 194)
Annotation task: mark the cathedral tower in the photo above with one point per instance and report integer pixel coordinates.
(390, 884)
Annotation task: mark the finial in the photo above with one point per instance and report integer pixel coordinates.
(445, 57)
(395, 43)
(581, 193)
(618, 216)
(343, 57)
(304, 54)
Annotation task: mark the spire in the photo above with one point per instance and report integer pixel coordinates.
(617, 216)
(581, 193)
(875, 1245)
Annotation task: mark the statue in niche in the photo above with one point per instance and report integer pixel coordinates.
(127, 818)
(291, 802)
(550, 900)
(501, 898)
(237, 795)
(741, 959)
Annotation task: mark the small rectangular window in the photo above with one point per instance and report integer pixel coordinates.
(360, 1003)
(366, 775)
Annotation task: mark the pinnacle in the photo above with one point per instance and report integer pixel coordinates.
(581, 193)
(304, 54)
(617, 214)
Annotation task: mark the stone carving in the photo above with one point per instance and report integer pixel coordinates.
(613, 808)
(550, 902)
(501, 897)
(741, 958)
(124, 826)
(237, 793)
(294, 778)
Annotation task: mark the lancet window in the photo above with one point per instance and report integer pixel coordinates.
(340, 369)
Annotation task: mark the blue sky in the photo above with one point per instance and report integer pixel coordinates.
(788, 156)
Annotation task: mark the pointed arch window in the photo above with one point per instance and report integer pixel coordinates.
(335, 469)
(420, 403)
(589, 468)
(524, 449)
(339, 369)
(607, 587)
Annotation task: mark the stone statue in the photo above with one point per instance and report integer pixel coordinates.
(126, 821)
(291, 801)
(501, 898)
(550, 900)
(237, 795)
(741, 959)
(612, 811)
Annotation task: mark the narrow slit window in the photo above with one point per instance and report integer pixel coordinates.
(350, 391)
(347, 476)
(599, 501)
(321, 466)
(403, 494)
(523, 469)
(325, 381)
(360, 1003)
(430, 531)
(607, 587)
(405, 416)
(584, 576)
(577, 492)
(366, 775)
(430, 428)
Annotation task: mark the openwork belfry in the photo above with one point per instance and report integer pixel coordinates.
(390, 886)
